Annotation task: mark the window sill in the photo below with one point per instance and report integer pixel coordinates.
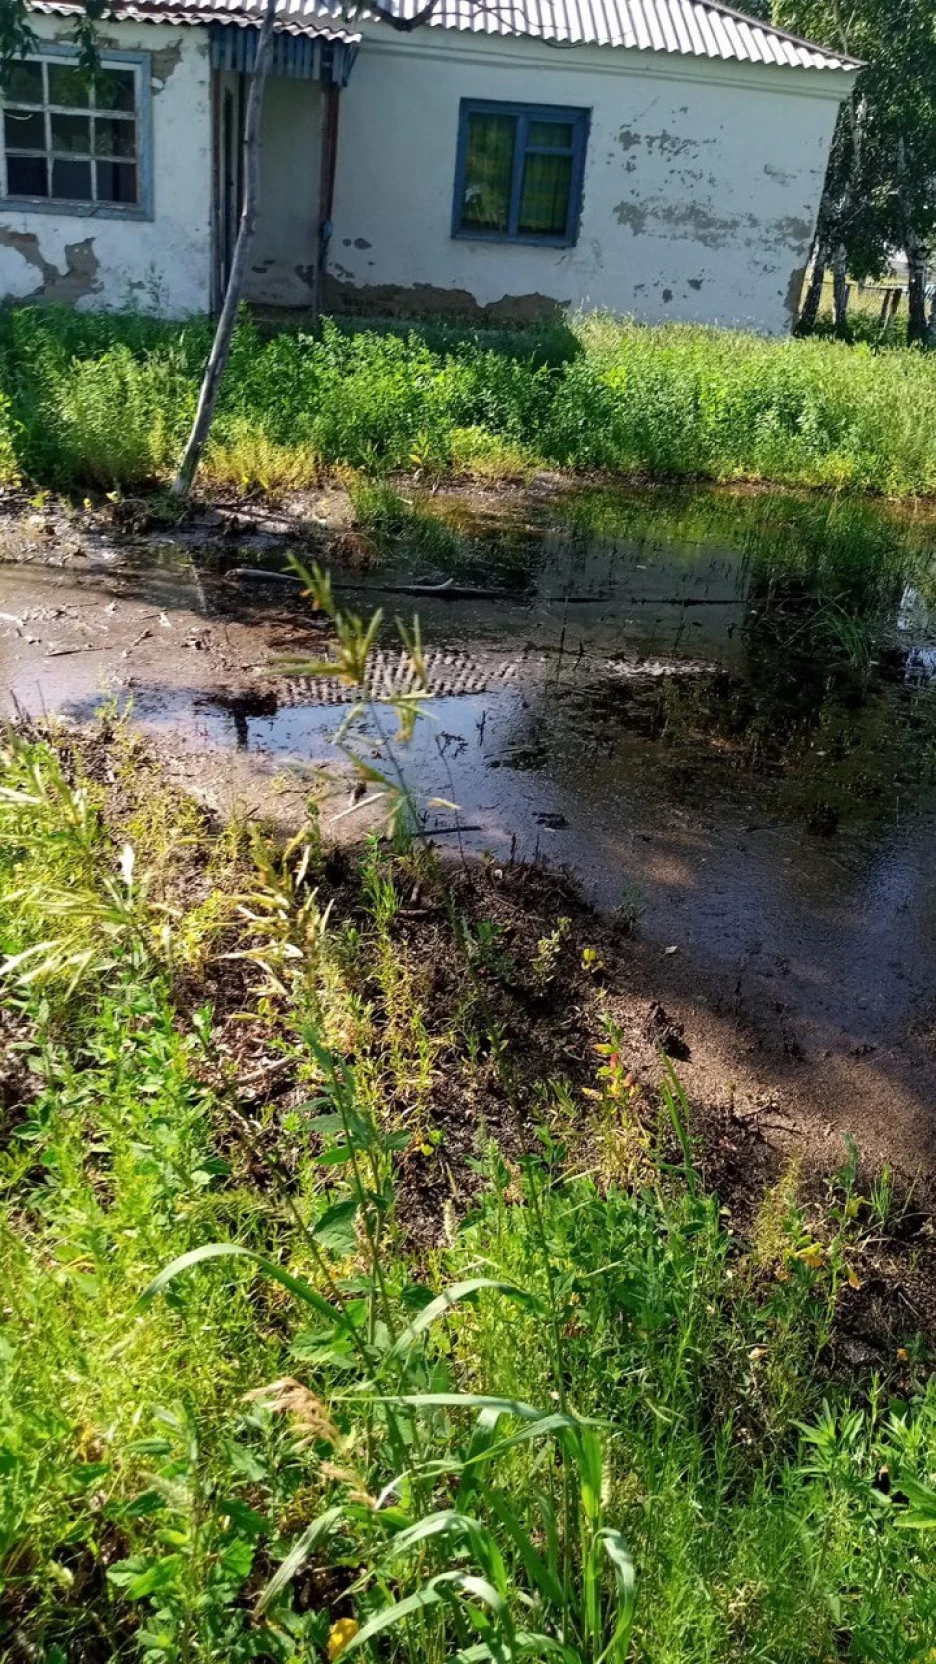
(74, 210)
(505, 237)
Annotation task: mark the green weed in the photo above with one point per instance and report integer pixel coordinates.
(244, 1415)
(107, 400)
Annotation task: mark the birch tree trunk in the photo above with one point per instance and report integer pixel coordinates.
(221, 346)
(809, 311)
(839, 290)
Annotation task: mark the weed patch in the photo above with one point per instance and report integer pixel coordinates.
(106, 402)
(365, 1290)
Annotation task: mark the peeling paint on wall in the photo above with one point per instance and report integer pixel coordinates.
(66, 287)
(792, 231)
(425, 299)
(670, 144)
(166, 61)
(631, 215)
(692, 220)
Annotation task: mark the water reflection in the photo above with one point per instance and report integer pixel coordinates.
(724, 703)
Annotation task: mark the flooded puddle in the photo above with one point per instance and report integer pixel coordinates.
(720, 714)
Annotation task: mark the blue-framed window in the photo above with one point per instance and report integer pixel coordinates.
(518, 177)
(71, 146)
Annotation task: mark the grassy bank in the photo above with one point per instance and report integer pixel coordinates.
(106, 401)
(494, 1372)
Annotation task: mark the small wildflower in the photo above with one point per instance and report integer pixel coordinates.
(902, 1354)
(341, 1633)
(756, 1353)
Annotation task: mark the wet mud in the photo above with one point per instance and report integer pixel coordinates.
(736, 756)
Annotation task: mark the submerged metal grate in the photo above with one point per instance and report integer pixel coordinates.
(449, 675)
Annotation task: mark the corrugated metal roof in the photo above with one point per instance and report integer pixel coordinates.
(294, 17)
(694, 28)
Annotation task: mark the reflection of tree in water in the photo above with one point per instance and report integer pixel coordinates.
(842, 741)
(818, 717)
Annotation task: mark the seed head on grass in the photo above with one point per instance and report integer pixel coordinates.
(312, 1420)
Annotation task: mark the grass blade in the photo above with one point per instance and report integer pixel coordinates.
(236, 1250)
(539, 1574)
(450, 1297)
(297, 1557)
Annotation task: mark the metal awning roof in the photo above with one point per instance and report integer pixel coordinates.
(293, 17)
(692, 28)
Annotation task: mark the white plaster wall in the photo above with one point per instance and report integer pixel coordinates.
(159, 265)
(285, 247)
(702, 180)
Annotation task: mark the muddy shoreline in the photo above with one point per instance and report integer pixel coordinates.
(622, 714)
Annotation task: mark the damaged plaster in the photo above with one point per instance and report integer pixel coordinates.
(65, 287)
(428, 300)
(165, 62)
(164, 59)
(633, 216)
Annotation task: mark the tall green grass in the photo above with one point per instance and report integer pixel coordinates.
(106, 401)
(329, 1440)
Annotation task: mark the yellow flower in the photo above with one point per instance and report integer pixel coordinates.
(341, 1632)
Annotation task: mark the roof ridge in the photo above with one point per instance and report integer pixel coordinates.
(782, 34)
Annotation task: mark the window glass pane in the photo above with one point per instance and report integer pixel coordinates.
(544, 198)
(557, 135)
(24, 130)
(25, 83)
(116, 182)
(71, 134)
(114, 89)
(114, 136)
(72, 180)
(488, 171)
(68, 86)
(26, 176)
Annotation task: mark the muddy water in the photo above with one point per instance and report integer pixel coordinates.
(706, 734)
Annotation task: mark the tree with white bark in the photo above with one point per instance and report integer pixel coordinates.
(880, 188)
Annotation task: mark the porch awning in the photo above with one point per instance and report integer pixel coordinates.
(304, 57)
(309, 41)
